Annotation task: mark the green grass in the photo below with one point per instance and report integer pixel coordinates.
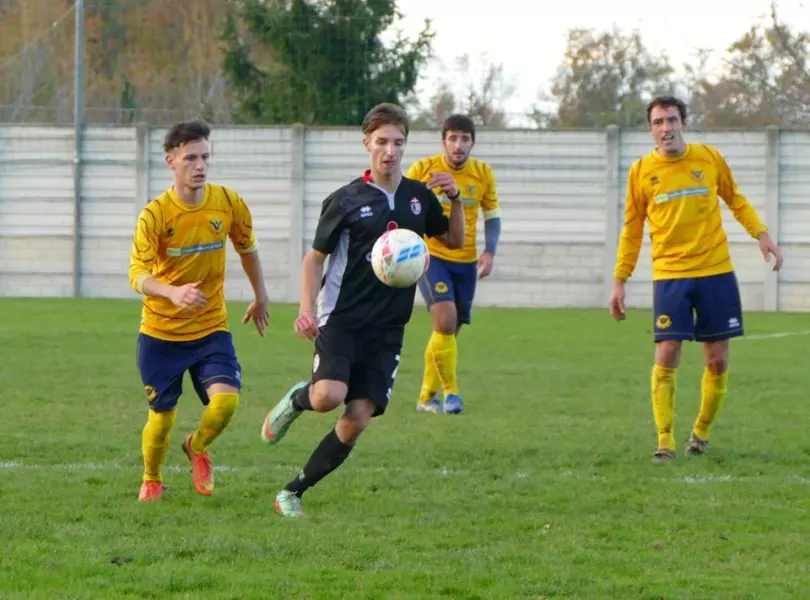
(542, 489)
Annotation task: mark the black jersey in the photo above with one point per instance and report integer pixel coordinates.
(352, 219)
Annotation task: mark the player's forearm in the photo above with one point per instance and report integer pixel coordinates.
(748, 217)
(311, 275)
(149, 286)
(455, 236)
(492, 234)
(142, 281)
(627, 255)
(252, 266)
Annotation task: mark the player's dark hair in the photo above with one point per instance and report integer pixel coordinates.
(386, 114)
(461, 123)
(666, 102)
(185, 132)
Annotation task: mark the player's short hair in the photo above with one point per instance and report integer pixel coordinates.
(386, 114)
(185, 132)
(666, 102)
(458, 122)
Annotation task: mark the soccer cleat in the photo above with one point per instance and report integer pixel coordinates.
(151, 491)
(663, 455)
(696, 446)
(283, 415)
(288, 504)
(453, 404)
(433, 405)
(202, 471)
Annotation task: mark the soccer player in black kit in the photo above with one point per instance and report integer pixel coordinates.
(359, 323)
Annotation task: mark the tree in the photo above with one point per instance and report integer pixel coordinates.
(765, 81)
(318, 61)
(605, 78)
(482, 98)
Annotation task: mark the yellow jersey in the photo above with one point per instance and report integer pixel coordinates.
(177, 243)
(678, 198)
(476, 183)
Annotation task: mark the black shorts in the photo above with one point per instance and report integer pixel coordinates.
(366, 361)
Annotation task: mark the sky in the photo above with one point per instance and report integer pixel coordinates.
(531, 47)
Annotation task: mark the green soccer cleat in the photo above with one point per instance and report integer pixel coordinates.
(288, 504)
(283, 415)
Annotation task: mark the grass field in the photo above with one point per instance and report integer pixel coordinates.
(542, 489)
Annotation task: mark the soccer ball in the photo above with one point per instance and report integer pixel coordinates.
(399, 258)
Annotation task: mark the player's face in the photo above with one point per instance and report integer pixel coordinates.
(667, 129)
(386, 145)
(190, 163)
(457, 147)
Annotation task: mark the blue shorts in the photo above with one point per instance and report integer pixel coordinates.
(447, 281)
(702, 309)
(163, 364)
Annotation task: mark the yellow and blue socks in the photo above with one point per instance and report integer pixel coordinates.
(215, 418)
(155, 442)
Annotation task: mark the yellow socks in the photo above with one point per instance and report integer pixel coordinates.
(215, 418)
(713, 394)
(430, 380)
(663, 402)
(444, 349)
(155, 442)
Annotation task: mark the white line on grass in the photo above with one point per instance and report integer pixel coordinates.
(771, 336)
(91, 466)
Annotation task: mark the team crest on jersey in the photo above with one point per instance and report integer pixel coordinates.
(217, 225)
(470, 189)
(697, 174)
(391, 225)
(654, 180)
(416, 206)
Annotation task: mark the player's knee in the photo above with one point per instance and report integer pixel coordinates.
(355, 419)
(161, 423)
(717, 362)
(326, 395)
(225, 403)
(445, 318)
(668, 353)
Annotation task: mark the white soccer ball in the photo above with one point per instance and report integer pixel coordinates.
(399, 258)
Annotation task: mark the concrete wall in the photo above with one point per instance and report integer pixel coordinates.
(562, 194)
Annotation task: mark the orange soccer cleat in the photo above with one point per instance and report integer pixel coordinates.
(202, 471)
(151, 491)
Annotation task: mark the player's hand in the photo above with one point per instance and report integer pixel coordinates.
(188, 296)
(767, 246)
(616, 304)
(445, 182)
(485, 265)
(306, 326)
(259, 313)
